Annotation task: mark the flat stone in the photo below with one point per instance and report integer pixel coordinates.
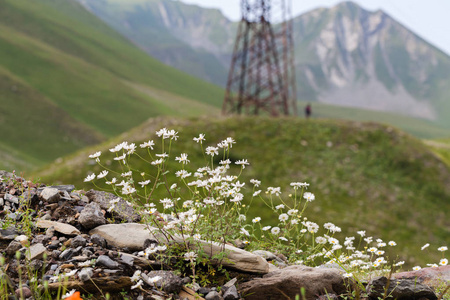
(58, 226)
(133, 236)
(110, 284)
(36, 251)
(287, 282)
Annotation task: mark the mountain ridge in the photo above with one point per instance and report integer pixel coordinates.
(345, 55)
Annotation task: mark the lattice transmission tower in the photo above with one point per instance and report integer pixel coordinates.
(261, 79)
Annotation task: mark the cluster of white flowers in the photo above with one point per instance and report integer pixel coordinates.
(212, 190)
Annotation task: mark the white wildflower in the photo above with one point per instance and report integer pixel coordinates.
(148, 144)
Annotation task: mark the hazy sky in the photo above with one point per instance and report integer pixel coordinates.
(427, 18)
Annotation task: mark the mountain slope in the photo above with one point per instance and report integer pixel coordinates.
(345, 55)
(185, 36)
(364, 175)
(66, 82)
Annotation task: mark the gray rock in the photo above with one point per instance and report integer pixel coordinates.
(51, 195)
(127, 259)
(213, 295)
(230, 283)
(58, 226)
(36, 251)
(105, 261)
(97, 239)
(67, 254)
(9, 233)
(122, 210)
(43, 239)
(203, 290)
(67, 187)
(265, 254)
(133, 236)
(86, 274)
(13, 247)
(11, 199)
(169, 282)
(91, 216)
(231, 294)
(290, 280)
(36, 265)
(402, 289)
(78, 241)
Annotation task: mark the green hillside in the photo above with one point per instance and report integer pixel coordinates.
(68, 80)
(364, 175)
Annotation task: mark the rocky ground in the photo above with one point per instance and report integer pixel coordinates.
(73, 238)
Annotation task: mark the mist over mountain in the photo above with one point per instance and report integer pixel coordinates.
(345, 55)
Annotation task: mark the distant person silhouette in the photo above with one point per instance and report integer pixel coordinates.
(308, 111)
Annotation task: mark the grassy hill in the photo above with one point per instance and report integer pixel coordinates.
(364, 175)
(68, 80)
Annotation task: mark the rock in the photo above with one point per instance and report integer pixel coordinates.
(122, 210)
(67, 187)
(51, 195)
(203, 290)
(86, 274)
(97, 239)
(231, 294)
(91, 216)
(36, 251)
(213, 295)
(58, 226)
(427, 276)
(133, 236)
(105, 261)
(110, 284)
(13, 247)
(43, 239)
(8, 234)
(169, 282)
(78, 241)
(67, 254)
(290, 280)
(127, 259)
(11, 199)
(36, 265)
(265, 254)
(23, 292)
(399, 289)
(230, 283)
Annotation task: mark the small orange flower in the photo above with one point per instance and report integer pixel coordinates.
(74, 296)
